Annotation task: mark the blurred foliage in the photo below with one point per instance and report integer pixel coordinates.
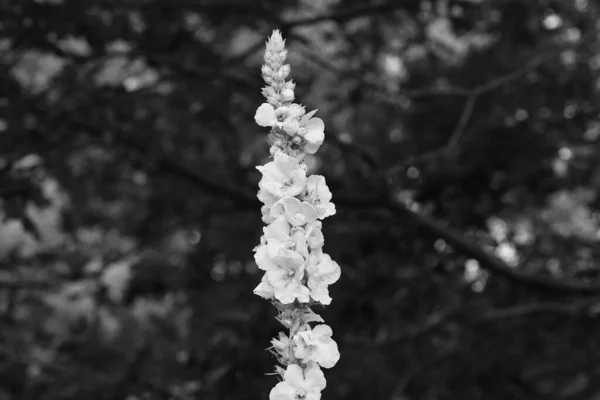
(462, 150)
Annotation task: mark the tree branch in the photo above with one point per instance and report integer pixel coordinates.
(489, 261)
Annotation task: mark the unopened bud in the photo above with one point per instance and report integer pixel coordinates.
(289, 85)
(285, 70)
(266, 70)
(287, 95)
(280, 346)
(280, 75)
(270, 91)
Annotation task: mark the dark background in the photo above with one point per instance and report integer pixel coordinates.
(461, 148)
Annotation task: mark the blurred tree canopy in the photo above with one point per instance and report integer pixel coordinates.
(462, 142)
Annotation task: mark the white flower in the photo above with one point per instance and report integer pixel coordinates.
(285, 241)
(318, 346)
(290, 288)
(289, 123)
(284, 274)
(265, 115)
(286, 118)
(296, 212)
(313, 131)
(299, 385)
(318, 194)
(322, 272)
(284, 177)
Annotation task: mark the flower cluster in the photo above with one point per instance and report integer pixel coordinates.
(297, 271)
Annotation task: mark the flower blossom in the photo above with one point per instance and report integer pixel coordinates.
(292, 120)
(313, 131)
(322, 272)
(299, 385)
(283, 177)
(296, 212)
(318, 346)
(286, 118)
(285, 241)
(317, 193)
(284, 276)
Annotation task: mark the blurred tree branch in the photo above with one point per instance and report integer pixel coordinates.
(571, 308)
(473, 94)
(487, 260)
(344, 15)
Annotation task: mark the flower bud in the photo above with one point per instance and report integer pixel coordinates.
(285, 70)
(287, 95)
(279, 75)
(281, 56)
(270, 91)
(289, 85)
(266, 70)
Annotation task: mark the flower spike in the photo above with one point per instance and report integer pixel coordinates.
(297, 271)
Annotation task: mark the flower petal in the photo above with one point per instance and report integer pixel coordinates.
(315, 379)
(263, 260)
(307, 117)
(311, 148)
(278, 230)
(291, 126)
(282, 391)
(294, 376)
(320, 294)
(315, 134)
(323, 331)
(265, 115)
